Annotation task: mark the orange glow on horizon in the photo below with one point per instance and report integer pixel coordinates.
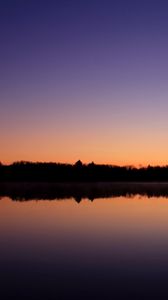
(67, 146)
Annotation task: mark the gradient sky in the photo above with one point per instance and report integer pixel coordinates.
(84, 80)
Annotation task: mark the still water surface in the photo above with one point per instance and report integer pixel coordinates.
(109, 248)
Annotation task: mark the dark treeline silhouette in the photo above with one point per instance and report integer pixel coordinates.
(79, 191)
(57, 172)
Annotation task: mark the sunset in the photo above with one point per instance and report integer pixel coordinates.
(84, 80)
(83, 149)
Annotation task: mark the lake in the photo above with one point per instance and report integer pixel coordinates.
(113, 247)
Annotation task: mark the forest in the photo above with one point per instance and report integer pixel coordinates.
(24, 171)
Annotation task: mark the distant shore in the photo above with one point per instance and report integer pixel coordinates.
(79, 172)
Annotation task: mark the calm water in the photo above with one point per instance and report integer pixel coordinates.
(111, 248)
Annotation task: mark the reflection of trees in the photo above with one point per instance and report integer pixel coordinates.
(79, 191)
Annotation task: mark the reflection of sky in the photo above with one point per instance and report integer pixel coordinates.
(106, 230)
(84, 80)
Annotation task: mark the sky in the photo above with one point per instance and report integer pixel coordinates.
(84, 80)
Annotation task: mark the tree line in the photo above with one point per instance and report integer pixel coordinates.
(24, 171)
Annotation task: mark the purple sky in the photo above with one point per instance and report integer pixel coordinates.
(84, 79)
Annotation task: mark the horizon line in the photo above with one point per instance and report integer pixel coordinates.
(136, 166)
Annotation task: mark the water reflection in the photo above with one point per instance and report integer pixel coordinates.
(114, 247)
(78, 191)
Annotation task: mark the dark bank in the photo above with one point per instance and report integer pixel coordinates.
(79, 172)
